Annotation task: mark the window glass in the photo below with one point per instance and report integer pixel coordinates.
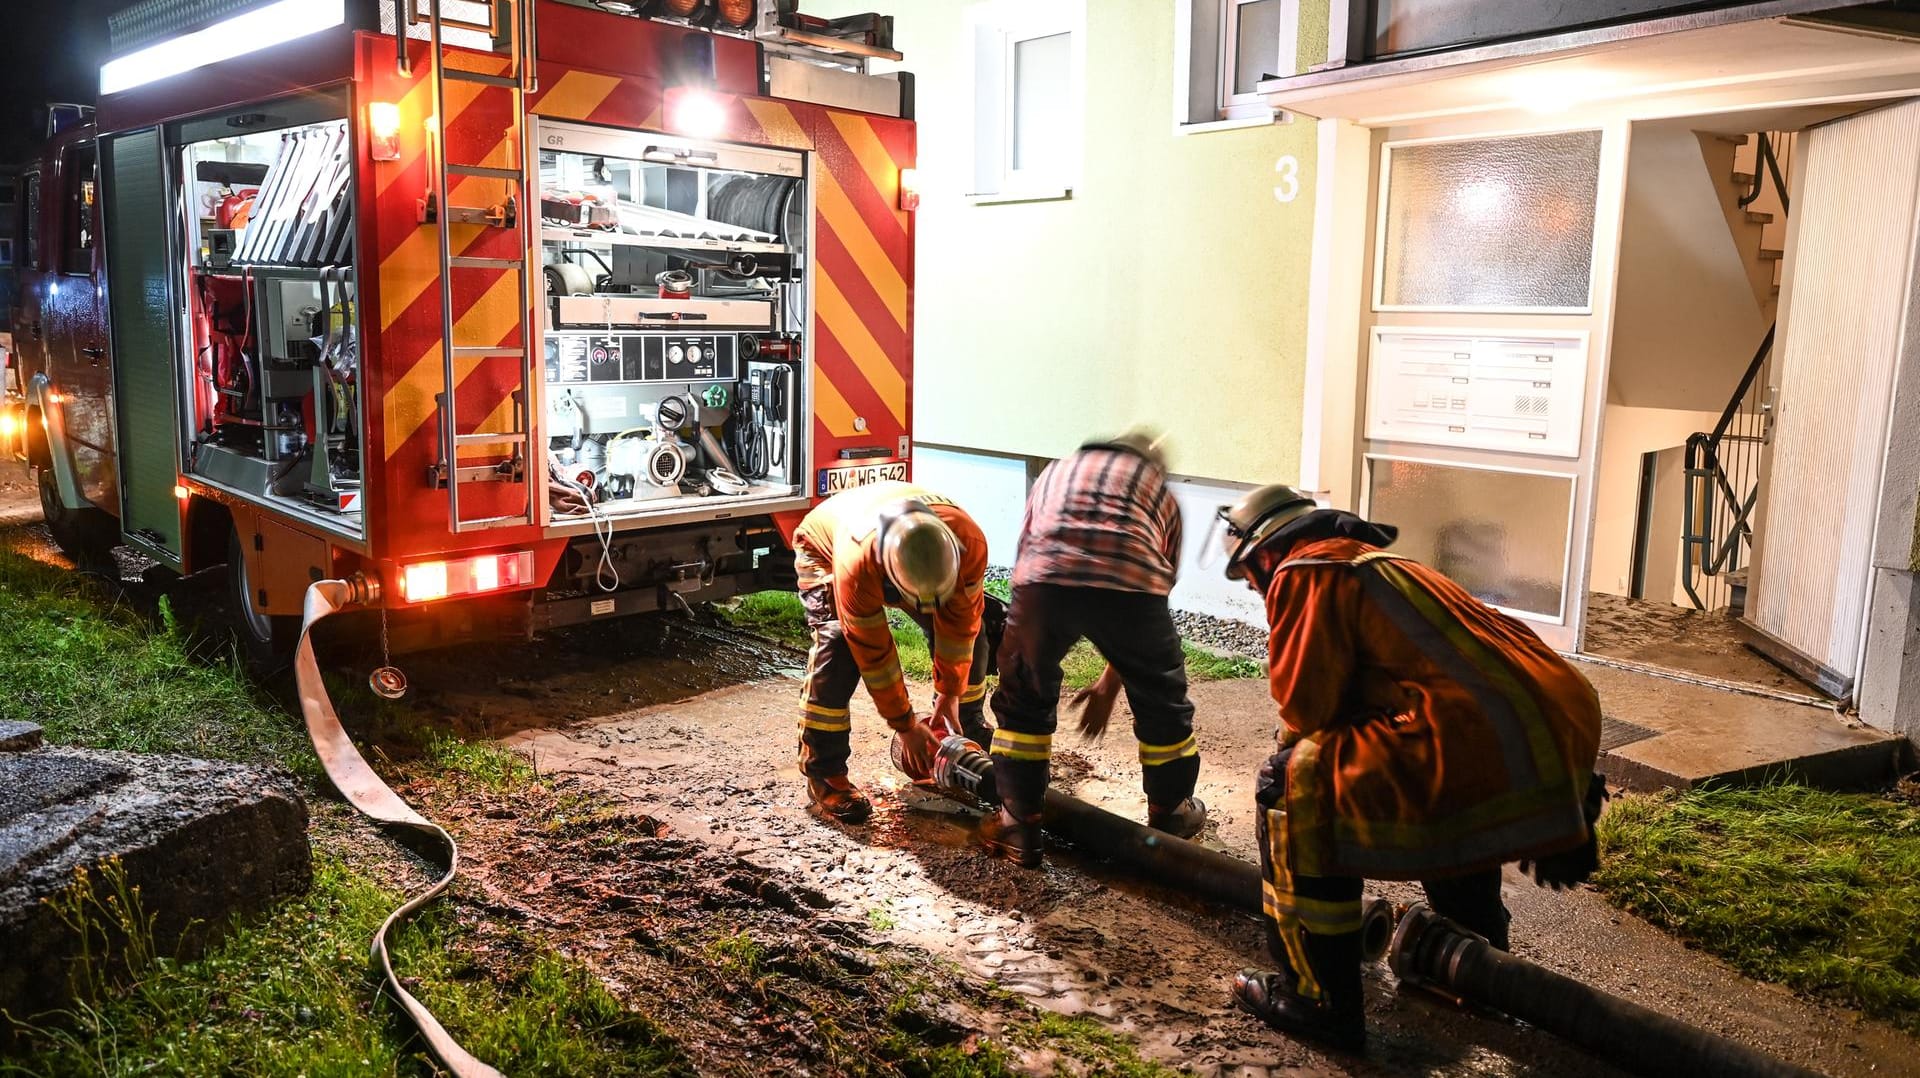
(9, 191)
(1256, 52)
(30, 228)
(80, 182)
(1500, 535)
(1491, 222)
(1041, 92)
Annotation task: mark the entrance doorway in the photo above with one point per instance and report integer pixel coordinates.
(1762, 284)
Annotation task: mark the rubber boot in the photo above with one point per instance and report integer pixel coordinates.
(1184, 820)
(1337, 1019)
(1016, 838)
(838, 797)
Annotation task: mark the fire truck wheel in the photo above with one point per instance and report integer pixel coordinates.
(86, 534)
(266, 640)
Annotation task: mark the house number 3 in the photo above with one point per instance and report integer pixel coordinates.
(1288, 168)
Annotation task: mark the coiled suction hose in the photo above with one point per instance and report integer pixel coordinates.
(365, 791)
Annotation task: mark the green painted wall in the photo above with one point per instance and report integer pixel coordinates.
(1170, 288)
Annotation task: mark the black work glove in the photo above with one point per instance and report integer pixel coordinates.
(1572, 867)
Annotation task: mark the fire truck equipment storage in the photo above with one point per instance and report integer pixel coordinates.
(372, 287)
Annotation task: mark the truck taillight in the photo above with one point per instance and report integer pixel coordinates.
(423, 582)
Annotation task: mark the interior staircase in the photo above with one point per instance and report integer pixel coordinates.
(1723, 465)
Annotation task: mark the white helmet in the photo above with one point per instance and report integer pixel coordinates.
(1251, 521)
(920, 555)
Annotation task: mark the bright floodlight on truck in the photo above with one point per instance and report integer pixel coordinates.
(261, 28)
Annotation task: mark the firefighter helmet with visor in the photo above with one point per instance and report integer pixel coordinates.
(1243, 527)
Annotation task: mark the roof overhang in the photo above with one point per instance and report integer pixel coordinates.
(1707, 61)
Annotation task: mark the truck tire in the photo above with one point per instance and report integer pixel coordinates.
(85, 533)
(266, 640)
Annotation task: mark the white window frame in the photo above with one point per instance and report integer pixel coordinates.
(998, 30)
(1239, 106)
(1204, 57)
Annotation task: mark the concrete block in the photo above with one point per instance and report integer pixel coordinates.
(202, 841)
(18, 736)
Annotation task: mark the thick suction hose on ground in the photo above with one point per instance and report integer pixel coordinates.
(1188, 866)
(1433, 952)
(373, 797)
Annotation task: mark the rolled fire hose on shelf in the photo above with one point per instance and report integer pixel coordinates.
(365, 791)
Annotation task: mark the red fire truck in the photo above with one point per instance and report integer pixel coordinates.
(525, 312)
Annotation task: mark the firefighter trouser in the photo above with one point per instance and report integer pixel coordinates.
(1313, 922)
(832, 676)
(1135, 633)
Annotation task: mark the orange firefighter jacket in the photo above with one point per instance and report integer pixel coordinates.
(1432, 735)
(835, 546)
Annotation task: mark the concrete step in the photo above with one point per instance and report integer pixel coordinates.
(1663, 734)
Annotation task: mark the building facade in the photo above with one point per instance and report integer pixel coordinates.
(1609, 312)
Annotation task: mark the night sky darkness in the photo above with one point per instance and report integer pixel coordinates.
(50, 50)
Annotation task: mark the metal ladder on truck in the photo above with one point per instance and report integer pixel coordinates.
(510, 26)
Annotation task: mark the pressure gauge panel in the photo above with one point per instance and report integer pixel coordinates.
(641, 357)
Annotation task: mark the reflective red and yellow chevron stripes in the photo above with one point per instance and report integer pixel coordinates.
(403, 297)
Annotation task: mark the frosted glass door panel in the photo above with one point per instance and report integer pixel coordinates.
(1500, 535)
(1491, 223)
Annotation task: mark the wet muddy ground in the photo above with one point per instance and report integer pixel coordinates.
(670, 817)
(714, 763)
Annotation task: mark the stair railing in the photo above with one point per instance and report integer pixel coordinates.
(1767, 167)
(1723, 486)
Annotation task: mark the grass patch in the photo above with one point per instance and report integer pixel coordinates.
(779, 617)
(497, 769)
(1098, 1048)
(98, 675)
(776, 615)
(1814, 890)
(290, 995)
(1204, 665)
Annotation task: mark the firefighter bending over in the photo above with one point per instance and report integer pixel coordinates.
(1426, 737)
(1099, 550)
(890, 544)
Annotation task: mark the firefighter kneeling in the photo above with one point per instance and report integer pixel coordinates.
(1426, 737)
(890, 544)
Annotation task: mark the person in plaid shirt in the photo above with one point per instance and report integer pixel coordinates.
(1099, 552)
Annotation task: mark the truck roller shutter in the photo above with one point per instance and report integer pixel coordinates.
(145, 376)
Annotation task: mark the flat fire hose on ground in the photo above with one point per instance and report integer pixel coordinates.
(367, 792)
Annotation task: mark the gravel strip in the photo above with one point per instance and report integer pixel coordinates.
(1222, 635)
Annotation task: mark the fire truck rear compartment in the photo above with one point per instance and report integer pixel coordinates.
(273, 399)
(675, 283)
